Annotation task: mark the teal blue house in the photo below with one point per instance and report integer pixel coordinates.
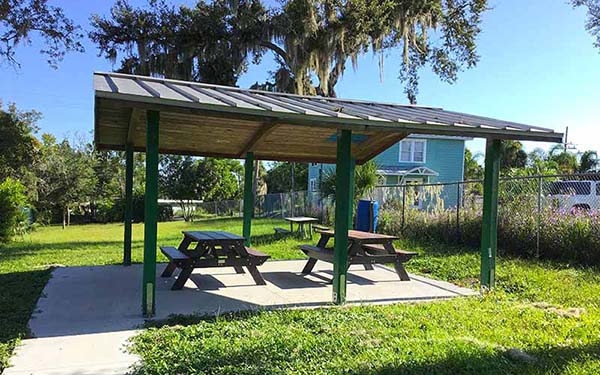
(417, 159)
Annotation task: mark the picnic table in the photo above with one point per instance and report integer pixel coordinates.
(301, 221)
(363, 248)
(211, 249)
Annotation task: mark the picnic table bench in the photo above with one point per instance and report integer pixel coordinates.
(212, 249)
(363, 248)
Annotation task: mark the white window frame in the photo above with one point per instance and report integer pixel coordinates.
(412, 151)
(313, 184)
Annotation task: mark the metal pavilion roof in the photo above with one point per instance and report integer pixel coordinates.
(212, 120)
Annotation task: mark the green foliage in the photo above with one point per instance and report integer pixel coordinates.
(18, 145)
(279, 177)
(564, 236)
(593, 21)
(209, 42)
(473, 170)
(20, 18)
(512, 155)
(13, 200)
(365, 180)
(185, 179)
(65, 174)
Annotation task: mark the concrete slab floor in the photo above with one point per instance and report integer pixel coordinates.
(86, 314)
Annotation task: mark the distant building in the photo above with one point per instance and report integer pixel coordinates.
(417, 159)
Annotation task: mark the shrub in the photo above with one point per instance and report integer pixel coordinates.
(565, 236)
(12, 203)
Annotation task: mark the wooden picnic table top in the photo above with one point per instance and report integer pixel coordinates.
(357, 235)
(301, 219)
(210, 235)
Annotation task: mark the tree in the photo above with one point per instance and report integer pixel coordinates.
(185, 179)
(18, 144)
(180, 180)
(66, 176)
(319, 37)
(592, 23)
(473, 170)
(588, 162)
(211, 42)
(565, 161)
(279, 177)
(12, 202)
(512, 155)
(20, 18)
(365, 180)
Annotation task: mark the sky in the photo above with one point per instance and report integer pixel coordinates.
(537, 66)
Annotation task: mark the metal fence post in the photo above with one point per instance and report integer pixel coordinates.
(458, 236)
(539, 218)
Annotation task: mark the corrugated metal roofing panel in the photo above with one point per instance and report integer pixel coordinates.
(316, 108)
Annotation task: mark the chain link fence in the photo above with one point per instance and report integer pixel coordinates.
(553, 216)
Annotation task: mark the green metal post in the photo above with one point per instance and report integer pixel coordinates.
(248, 196)
(150, 214)
(128, 204)
(343, 189)
(351, 207)
(489, 234)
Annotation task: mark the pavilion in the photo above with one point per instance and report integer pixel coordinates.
(155, 115)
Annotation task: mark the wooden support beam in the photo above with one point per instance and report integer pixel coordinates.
(257, 137)
(376, 144)
(248, 197)
(150, 214)
(128, 212)
(343, 190)
(489, 233)
(135, 117)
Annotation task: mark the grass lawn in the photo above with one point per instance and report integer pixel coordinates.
(549, 311)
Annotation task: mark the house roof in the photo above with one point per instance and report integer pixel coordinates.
(210, 120)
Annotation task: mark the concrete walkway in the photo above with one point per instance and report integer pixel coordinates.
(86, 314)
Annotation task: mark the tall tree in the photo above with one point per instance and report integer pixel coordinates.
(18, 145)
(211, 42)
(319, 38)
(592, 23)
(512, 155)
(473, 170)
(21, 18)
(279, 177)
(66, 177)
(588, 162)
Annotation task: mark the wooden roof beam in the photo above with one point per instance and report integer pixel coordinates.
(257, 138)
(134, 120)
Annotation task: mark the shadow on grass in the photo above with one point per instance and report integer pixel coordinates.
(19, 292)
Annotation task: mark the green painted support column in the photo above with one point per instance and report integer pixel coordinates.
(351, 207)
(248, 196)
(489, 233)
(128, 204)
(344, 186)
(150, 214)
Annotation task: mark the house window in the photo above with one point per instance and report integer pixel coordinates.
(412, 150)
(313, 184)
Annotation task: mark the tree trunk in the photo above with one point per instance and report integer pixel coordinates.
(68, 217)
(64, 221)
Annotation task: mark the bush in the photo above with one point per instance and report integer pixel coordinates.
(564, 236)
(12, 203)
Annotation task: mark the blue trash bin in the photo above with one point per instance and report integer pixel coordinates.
(366, 215)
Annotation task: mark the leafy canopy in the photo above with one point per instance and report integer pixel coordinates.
(21, 18)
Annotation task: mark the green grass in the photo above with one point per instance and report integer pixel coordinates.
(548, 310)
